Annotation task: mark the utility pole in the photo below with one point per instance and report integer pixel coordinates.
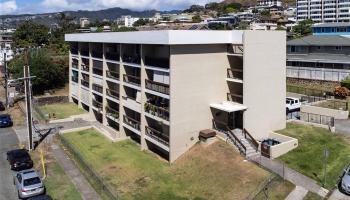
(28, 94)
(6, 80)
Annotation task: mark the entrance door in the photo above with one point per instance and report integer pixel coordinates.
(235, 120)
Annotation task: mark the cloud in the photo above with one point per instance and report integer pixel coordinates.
(8, 7)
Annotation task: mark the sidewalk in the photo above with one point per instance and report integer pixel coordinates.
(79, 181)
(297, 194)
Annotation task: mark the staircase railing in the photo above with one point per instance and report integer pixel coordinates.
(222, 127)
(250, 138)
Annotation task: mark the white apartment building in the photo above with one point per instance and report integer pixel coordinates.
(127, 20)
(84, 22)
(323, 10)
(161, 88)
(265, 4)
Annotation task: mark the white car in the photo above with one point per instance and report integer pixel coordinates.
(292, 104)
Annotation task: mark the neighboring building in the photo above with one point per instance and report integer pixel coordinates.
(84, 22)
(127, 20)
(5, 47)
(226, 20)
(245, 16)
(267, 4)
(331, 29)
(161, 88)
(315, 57)
(263, 26)
(324, 10)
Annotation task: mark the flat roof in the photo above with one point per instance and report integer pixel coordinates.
(228, 106)
(335, 24)
(320, 40)
(166, 37)
(320, 57)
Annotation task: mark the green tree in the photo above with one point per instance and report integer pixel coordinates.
(303, 28)
(265, 13)
(30, 34)
(49, 75)
(141, 22)
(196, 19)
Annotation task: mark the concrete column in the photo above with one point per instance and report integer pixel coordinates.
(80, 76)
(121, 93)
(91, 111)
(70, 77)
(143, 121)
(104, 100)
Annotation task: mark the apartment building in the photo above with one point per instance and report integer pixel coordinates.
(323, 10)
(161, 88)
(267, 4)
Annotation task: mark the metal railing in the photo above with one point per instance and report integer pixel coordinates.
(85, 68)
(235, 73)
(84, 53)
(75, 65)
(90, 174)
(157, 135)
(157, 62)
(112, 56)
(250, 138)
(317, 119)
(112, 112)
(112, 75)
(235, 98)
(75, 79)
(112, 93)
(157, 111)
(132, 59)
(222, 127)
(97, 54)
(97, 104)
(97, 88)
(97, 71)
(132, 122)
(158, 87)
(85, 83)
(134, 80)
(334, 104)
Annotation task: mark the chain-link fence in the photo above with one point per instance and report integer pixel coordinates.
(94, 178)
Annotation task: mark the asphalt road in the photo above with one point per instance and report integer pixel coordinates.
(8, 141)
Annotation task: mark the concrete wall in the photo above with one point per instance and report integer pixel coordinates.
(264, 88)
(337, 114)
(317, 73)
(287, 144)
(197, 79)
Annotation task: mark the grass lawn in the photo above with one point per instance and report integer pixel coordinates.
(57, 183)
(213, 172)
(312, 196)
(62, 111)
(308, 157)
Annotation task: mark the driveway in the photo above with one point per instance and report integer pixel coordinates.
(337, 195)
(8, 141)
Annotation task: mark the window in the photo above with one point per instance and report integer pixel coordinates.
(318, 47)
(338, 47)
(292, 49)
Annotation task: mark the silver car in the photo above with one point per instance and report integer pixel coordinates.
(28, 183)
(345, 181)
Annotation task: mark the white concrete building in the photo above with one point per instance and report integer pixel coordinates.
(84, 22)
(127, 20)
(324, 10)
(161, 88)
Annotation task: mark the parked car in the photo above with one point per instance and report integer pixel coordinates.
(2, 107)
(41, 197)
(345, 181)
(28, 184)
(5, 121)
(292, 104)
(19, 159)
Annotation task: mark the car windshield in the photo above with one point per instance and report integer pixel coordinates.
(4, 117)
(31, 181)
(20, 154)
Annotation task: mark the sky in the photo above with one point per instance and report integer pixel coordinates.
(44, 6)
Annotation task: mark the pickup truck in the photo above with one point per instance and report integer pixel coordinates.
(292, 104)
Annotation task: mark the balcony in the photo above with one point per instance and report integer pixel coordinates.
(97, 54)
(134, 80)
(158, 87)
(235, 50)
(132, 59)
(110, 112)
(85, 68)
(112, 75)
(157, 62)
(132, 122)
(84, 53)
(112, 93)
(75, 79)
(74, 51)
(84, 83)
(236, 74)
(112, 56)
(157, 111)
(235, 98)
(157, 135)
(97, 71)
(97, 88)
(97, 104)
(75, 65)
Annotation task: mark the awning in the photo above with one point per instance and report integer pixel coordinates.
(228, 106)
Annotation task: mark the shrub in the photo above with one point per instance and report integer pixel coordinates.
(341, 92)
(346, 83)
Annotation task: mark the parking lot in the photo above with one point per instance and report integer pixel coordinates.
(8, 141)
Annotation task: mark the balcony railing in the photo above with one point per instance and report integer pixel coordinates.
(97, 88)
(75, 79)
(97, 104)
(97, 54)
(75, 65)
(85, 68)
(132, 122)
(158, 87)
(235, 49)
(84, 53)
(235, 98)
(157, 62)
(112, 112)
(157, 135)
(132, 80)
(112, 75)
(157, 111)
(132, 59)
(112, 56)
(112, 93)
(97, 71)
(235, 73)
(84, 83)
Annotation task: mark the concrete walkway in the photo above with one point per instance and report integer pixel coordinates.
(291, 175)
(337, 195)
(79, 181)
(297, 194)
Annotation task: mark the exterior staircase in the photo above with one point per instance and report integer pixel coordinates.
(251, 151)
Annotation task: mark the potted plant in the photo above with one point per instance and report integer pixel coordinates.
(147, 107)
